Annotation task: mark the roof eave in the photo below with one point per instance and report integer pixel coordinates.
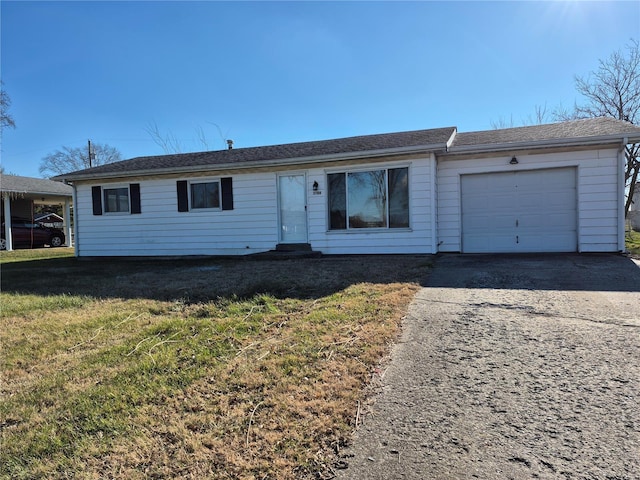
(556, 142)
(33, 192)
(260, 164)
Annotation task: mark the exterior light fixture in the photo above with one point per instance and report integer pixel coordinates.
(514, 161)
(315, 186)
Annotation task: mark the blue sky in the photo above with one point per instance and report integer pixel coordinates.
(271, 72)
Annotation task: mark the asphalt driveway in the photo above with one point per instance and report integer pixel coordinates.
(510, 367)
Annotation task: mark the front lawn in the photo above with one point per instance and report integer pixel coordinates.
(633, 242)
(190, 369)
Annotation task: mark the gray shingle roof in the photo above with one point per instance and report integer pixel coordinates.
(435, 138)
(40, 186)
(589, 127)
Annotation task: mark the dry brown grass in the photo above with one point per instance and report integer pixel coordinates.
(192, 369)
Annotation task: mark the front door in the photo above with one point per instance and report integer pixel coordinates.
(293, 208)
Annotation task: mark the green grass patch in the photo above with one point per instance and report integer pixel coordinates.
(169, 370)
(31, 304)
(35, 254)
(632, 240)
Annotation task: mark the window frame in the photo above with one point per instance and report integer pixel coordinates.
(105, 202)
(201, 182)
(370, 168)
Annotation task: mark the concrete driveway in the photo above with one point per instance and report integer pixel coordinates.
(511, 367)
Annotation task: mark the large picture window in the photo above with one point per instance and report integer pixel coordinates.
(116, 200)
(369, 199)
(205, 195)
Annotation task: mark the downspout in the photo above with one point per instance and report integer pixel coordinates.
(621, 186)
(434, 204)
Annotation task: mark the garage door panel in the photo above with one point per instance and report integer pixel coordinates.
(486, 243)
(546, 243)
(524, 211)
(498, 221)
(541, 221)
(484, 202)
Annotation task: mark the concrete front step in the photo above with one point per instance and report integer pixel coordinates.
(290, 250)
(286, 255)
(293, 247)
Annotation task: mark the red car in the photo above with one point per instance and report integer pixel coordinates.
(25, 233)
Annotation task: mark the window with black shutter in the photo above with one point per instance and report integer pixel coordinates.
(215, 194)
(120, 199)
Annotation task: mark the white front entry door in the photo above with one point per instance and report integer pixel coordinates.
(292, 198)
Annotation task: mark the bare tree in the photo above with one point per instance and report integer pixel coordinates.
(69, 159)
(6, 120)
(502, 123)
(172, 144)
(540, 115)
(168, 141)
(613, 90)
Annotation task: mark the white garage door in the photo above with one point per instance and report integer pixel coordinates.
(527, 211)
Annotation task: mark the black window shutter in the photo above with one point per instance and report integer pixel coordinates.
(227, 193)
(134, 193)
(96, 194)
(183, 196)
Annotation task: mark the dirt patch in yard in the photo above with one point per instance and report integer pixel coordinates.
(203, 279)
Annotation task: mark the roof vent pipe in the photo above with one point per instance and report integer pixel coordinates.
(230, 143)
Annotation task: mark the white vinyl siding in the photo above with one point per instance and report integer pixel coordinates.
(161, 230)
(596, 187)
(252, 226)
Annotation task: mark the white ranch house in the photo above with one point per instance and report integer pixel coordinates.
(546, 188)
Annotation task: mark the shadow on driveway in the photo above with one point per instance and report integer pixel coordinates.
(569, 272)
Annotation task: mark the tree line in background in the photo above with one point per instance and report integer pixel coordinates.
(68, 159)
(6, 120)
(612, 90)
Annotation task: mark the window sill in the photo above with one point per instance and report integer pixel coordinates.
(111, 214)
(356, 231)
(203, 210)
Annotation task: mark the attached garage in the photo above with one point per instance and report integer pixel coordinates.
(520, 211)
(544, 188)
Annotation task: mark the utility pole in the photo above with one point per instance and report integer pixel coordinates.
(91, 154)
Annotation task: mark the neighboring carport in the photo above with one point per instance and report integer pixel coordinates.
(21, 194)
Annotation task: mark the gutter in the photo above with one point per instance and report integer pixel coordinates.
(499, 147)
(261, 163)
(32, 192)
